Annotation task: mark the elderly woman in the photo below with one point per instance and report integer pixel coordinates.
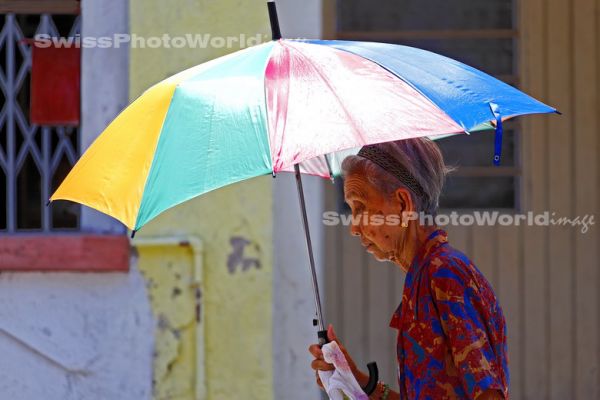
(451, 331)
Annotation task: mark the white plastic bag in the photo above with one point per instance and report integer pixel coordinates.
(341, 381)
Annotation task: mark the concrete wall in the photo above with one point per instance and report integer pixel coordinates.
(234, 224)
(293, 304)
(300, 19)
(104, 87)
(74, 336)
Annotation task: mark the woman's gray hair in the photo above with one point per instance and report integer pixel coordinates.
(421, 157)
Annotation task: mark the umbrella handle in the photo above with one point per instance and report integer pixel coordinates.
(371, 367)
(373, 378)
(323, 339)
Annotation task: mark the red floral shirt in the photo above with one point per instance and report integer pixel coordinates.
(452, 333)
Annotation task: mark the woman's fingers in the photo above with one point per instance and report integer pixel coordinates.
(331, 333)
(321, 365)
(316, 351)
(318, 364)
(319, 383)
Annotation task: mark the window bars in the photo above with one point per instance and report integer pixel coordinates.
(33, 159)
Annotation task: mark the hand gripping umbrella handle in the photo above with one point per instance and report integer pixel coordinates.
(371, 367)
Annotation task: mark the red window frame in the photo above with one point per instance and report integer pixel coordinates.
(66, 253)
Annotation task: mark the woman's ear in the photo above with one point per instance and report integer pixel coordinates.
(404, 199)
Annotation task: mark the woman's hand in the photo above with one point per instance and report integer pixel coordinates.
(319, 364)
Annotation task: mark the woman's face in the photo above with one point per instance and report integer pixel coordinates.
(376, 218)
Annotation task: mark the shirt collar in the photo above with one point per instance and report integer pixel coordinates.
(434, 240)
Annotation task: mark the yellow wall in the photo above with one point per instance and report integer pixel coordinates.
(236, 306)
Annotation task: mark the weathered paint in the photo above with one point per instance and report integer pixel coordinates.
(237, 305)
(238, 296)
(67, 336)
(167, 271)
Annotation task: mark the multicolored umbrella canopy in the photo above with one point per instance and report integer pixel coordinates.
(263, 109)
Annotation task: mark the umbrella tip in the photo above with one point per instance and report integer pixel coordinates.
(273, 174)
(274, 20)
(48, 203)
(133, 233)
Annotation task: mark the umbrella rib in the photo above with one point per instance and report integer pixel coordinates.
(274, 167)
(328, 84)
(266, 105)
(424, 71)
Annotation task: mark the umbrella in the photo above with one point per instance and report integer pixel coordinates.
(285, 105)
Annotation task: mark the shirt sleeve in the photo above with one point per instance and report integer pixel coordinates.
(475, 329)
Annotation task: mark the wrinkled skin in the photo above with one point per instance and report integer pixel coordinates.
(389, 241)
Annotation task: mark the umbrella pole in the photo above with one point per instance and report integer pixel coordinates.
(322, 332)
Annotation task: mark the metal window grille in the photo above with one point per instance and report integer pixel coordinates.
(33, 159)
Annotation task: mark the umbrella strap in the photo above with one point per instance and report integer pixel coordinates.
(498, 136)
